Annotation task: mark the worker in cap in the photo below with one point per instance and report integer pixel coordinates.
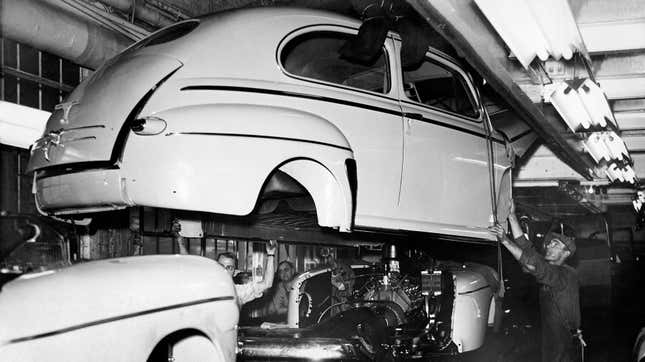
(559, 291)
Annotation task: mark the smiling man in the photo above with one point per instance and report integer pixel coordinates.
(559, 298)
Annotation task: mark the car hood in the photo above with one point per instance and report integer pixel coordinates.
(84, 294)
(86, 126)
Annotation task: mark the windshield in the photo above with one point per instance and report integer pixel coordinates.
(30, 244)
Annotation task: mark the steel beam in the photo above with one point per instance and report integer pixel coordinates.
(544, 166)
(460, 22)
(613, 36)
(630, 121)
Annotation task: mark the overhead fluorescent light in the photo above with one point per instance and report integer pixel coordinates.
(20, 126)
(597, 148)
(582, 105)
(534, 28)
(614, 174)
(616, 146)
(606, 146)
(566, 101)
(595, 102)
(628, 174)
(621, 173)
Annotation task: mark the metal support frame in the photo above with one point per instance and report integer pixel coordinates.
(472, 37)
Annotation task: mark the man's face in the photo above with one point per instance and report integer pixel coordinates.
(285, 272)
(556, 251)
(228, 264)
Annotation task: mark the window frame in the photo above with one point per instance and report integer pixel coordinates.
(452, 67)
(387, 48)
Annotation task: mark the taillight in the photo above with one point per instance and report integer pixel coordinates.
(148, 126)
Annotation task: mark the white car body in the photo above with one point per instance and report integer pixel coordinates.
(120, 310)
(217, 115)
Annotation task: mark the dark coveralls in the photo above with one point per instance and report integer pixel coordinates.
(559, 303)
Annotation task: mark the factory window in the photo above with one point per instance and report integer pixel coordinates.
(317, 56)
(35, 78)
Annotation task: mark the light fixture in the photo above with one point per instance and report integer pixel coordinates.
(596, 147)
(614, 174)
(638, 201)
(606, 145)
(20, 126)
(628, 174)
(582, 105)
(534, 28)
(615, 145)
(623, 173)
(595, 102)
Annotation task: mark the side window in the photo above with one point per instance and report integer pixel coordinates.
(316, 56)
(440, 87)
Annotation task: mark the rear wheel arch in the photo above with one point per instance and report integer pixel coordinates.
(329, 187)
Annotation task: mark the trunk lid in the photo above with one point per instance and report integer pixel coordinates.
(85, 127)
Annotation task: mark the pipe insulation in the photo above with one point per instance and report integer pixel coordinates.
(142, 12)
(46, 27)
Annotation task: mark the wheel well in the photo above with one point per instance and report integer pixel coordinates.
(163, 349)
(332, 191)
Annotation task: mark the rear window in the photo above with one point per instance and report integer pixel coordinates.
(168, 34)
(316, 56)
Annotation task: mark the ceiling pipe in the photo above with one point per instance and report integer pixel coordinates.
(141, 11)
(48, 28)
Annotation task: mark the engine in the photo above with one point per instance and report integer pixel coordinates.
(382, 312)
(391, 313)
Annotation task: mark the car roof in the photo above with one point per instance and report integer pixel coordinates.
(242, 43)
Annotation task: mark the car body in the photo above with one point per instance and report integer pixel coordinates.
(128, 309)
(220, 113)
(446, 309)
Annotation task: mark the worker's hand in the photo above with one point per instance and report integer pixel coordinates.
(271, 246)
(498, 231)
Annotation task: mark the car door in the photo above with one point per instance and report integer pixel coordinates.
(362, 101)
(445, 186)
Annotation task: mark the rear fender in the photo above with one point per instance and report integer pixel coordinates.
(330, 191)
(217, 157)
(290, 125)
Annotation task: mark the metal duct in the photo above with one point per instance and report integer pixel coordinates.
(142, 12)
(47, 28)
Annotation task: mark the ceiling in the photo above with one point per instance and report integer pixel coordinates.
(553, 177)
